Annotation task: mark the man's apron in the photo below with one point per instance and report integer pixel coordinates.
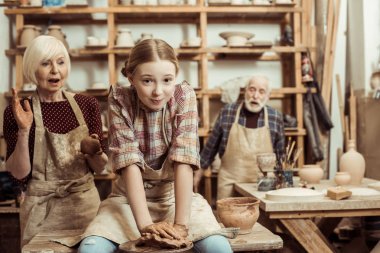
(115, 220)
(61, 194)
(239, 163)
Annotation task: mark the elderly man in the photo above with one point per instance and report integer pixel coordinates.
(242, 130)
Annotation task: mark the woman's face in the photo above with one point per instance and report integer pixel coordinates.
(154, 83)
(51, 74)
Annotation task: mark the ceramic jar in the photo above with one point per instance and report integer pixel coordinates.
(27, 35)
(311, 173)
(124, 38)
(146, 36)
(241, 212)
(55, 31)
(342, 178)
(353, 162)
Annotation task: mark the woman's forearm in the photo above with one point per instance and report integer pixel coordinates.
(183, 187)
(136, 195)
(18, 164)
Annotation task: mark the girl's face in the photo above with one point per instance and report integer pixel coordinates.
(52, 73)
(154, 83)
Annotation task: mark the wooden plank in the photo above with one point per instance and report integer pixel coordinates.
(259, 239)
(18, 62)
(324, 213)
(340, 102)
(308, 235)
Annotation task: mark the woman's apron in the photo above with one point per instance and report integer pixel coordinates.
(239, 163)
(115, 220)
(61, 194)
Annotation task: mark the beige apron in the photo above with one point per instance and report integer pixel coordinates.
(115, 220)
(61, 194)
(239, 159)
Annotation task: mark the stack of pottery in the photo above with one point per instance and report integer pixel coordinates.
(241, 212)
(353, 163)
(55, 31)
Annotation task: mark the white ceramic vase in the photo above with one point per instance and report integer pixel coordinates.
(353, 162)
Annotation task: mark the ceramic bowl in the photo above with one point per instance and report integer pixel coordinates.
(241, 212)
(311, 173)
(236, 38)
(266, 161)
(342, 178)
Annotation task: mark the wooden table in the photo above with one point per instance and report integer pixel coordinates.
(297, 216)
(259, 239)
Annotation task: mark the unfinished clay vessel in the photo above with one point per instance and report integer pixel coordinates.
(353, 162)
(342, 178)
(90, 145)
(311, 173)
(266, 161)
(241, 212)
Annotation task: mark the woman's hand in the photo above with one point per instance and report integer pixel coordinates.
(24, 118)
(163, 229)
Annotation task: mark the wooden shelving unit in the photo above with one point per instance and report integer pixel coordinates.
(200, 16)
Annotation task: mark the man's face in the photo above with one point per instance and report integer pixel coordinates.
(256, 94)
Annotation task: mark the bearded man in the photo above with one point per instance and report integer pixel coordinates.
(243, 130)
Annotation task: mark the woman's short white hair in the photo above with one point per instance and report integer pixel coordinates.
(42, 48)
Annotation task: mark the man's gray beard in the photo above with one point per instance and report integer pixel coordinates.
(255, 109)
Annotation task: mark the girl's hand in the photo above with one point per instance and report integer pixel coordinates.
(181, 230)
(163, 229)
(24, 118)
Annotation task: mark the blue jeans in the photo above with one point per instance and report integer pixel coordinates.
(211, 244)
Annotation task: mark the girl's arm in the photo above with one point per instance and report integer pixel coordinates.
(183, 189)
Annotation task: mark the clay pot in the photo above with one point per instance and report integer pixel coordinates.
(241, 212)
(55, 31)
(342, 178)
(27, 35)
(353, 163)
(124, 38)
(90, 145)
(266, 161)
(311, 173)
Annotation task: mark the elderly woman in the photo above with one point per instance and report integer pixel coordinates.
(43, 135)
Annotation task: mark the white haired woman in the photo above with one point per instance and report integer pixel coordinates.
(43, 134)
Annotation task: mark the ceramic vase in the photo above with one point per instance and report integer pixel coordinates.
(311, 173)
(353, 162)
(342, 178)
(124, 38)
(55, 31)
(27, 35)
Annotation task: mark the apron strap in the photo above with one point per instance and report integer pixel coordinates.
(37, 112)
(238, 113)
(74, 105)
(266, 121)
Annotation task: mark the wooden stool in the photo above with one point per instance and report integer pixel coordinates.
(41, 244)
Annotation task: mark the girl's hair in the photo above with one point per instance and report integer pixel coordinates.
(42, 48)
(147, 51)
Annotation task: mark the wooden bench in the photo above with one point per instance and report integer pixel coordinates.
(259, 239)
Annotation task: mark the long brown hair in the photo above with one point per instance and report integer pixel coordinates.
(147, 51)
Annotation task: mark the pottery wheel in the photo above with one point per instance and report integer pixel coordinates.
(130, 247)
(294, 194)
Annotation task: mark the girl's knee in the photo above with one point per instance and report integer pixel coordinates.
(97, 244)
(213, 244)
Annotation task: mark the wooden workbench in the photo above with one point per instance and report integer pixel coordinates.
(259, 239)
(297, 216)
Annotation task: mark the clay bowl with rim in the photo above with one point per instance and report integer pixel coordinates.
(311, 173)
(266, 161)
(240, 212)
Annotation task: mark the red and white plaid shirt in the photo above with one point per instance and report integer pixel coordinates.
(135, 137)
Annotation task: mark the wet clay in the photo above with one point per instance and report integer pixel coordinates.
(90, 145)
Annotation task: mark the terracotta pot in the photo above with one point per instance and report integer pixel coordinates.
(311, 173)
(55, 31)
(241, 212)
(27, 35)
(342, 178)
(353, 162)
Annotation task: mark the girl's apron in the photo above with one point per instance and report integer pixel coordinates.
(115, 220)
(61, 194)
(239, 163)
